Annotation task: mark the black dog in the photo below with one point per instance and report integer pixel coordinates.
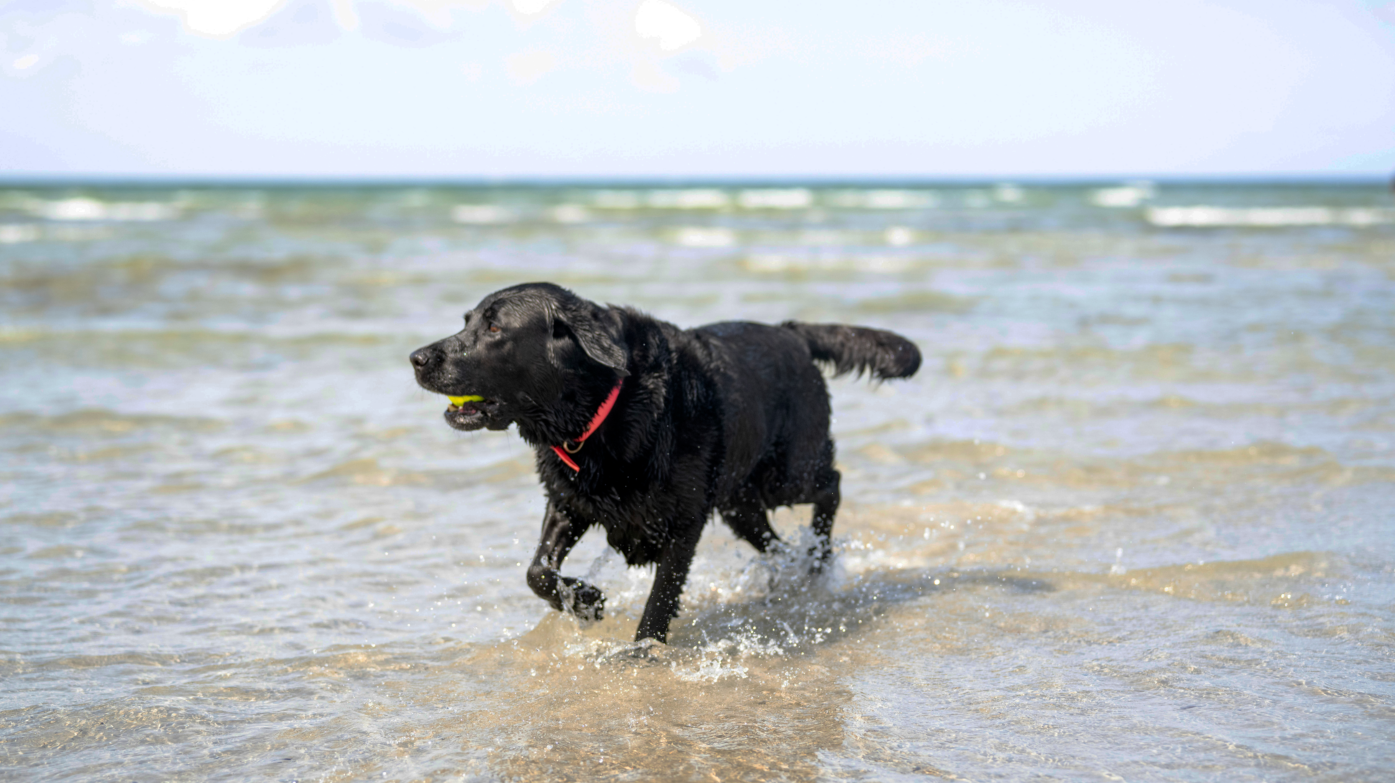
(644, 428)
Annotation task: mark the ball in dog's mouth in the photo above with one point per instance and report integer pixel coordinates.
(466, 412)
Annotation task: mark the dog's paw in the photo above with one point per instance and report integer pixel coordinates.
(584, 601)
(820, 558)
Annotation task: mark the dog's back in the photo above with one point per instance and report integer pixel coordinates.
(775, 409)
(775, 401)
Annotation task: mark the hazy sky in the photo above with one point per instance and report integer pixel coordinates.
(472, 88)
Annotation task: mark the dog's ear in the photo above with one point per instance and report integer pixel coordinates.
(597, 330)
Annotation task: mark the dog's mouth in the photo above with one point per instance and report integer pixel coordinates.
(469, 411)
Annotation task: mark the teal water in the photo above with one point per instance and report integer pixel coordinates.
(1131, 520)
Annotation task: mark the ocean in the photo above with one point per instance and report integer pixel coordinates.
(1134, 519)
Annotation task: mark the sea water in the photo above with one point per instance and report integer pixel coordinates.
(1131, 520)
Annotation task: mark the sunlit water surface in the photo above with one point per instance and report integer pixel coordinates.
(1132, 520)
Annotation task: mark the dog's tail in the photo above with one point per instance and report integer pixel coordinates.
(859, 349)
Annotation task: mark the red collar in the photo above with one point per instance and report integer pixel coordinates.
(567, 448)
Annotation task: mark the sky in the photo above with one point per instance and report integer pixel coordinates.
(899, 89)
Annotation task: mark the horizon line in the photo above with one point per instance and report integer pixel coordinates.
(18, 179)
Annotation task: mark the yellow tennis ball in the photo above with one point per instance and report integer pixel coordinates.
(465, 399)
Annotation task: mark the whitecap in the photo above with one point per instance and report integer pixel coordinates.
(480, 214)
(700, 236)
(690, 198)
(776, 198)
(1204, 216)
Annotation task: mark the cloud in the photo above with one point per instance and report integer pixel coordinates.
(345, 15)
(215, 18)
(298, 23)
(528, 66)
(667, 23)
(438, 12)
(650, 77)
(904, 50)
(530, 7)
(410, 24)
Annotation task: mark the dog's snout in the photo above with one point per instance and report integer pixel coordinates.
(421, 358)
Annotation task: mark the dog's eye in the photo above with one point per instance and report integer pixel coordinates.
(494, 328)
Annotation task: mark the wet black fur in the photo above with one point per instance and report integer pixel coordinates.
(731, 417)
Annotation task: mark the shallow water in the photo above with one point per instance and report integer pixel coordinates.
(1132, 520)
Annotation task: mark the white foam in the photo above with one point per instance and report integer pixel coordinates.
(691, 198)
(703, 236)
(1008, 193)
(570, 213)
(616, 199)
(1264, 217)
(826, 237)
(775, 263)
(480, 214)
(899, 236)
(776, 198)
(15, 233)
(89, 209)
(725, 658)
(1123, 197)
(884, 199)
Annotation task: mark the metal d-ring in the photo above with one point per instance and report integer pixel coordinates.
(566, 444)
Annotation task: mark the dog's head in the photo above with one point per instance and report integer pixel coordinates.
(521, 349)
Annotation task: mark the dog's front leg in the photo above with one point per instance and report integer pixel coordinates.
(559, 535)
(669, 579)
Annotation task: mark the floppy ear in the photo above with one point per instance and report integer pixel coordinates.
(597, 330)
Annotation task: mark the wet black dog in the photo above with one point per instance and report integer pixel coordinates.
(644, 428)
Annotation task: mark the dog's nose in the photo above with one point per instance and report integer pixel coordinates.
(420, 358)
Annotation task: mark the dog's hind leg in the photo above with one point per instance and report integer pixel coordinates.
(559, 535)
(669, 578)
(747, 519)
(825, 498)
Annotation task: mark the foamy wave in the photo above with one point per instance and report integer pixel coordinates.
(786, 198)
(1265, 217)
(691, 198)
(616, 199)
(1123, 197)
(884, 199)
(1008, 193)
(771, 263)
(570, 213)
(773, 198)
(899, 236)
(480, 214)
(89, 209)
(15, 233)
(698, 236)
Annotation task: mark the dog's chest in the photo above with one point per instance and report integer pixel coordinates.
(638, 521)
